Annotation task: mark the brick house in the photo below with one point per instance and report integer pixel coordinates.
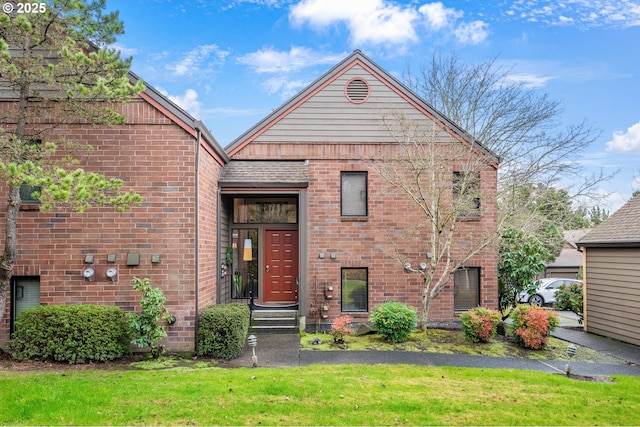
(173, 162)
(290, 214)
(300, 190)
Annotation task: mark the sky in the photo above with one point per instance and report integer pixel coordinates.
(230, 63)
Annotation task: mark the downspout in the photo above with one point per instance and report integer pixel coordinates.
(197, 240)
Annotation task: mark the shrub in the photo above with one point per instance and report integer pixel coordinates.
(570, 298)
(532, 325)
(394, 321)
(341, 327)
(480, 324)
(145, 327)
(70, 333)
(223, 330)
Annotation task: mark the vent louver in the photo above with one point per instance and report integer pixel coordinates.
(357, 90)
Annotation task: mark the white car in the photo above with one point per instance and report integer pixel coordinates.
(546, 292)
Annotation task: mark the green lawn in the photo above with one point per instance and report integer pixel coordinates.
(315, 395)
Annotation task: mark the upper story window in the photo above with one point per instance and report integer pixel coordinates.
(353, 194)
(466, 194)
(27, 192)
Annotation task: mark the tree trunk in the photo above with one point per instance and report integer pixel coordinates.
(10, 247)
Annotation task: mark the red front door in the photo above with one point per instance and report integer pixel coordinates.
(280, 266)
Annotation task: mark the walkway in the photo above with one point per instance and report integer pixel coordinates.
(282, 350)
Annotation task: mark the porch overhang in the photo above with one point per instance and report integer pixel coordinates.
(262, 174)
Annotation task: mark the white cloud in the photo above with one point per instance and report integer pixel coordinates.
(626, 142)
(581, 13)
(268, 60)
(368, 21)
(286, 87)
(439, 17)
(126, 51)
(529, 81)
(193, 60)
(188, 101)
(472, 33)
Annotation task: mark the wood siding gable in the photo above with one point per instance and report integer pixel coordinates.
(322, 113)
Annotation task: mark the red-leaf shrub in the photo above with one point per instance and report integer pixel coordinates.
(479, 324)
(532, 325)
(340, 327)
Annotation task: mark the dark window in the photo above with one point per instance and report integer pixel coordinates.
(32, 152)
(25, 293)
(354, 289)
(466, 193)
(353, 194)
(466, 285)
(244, 263)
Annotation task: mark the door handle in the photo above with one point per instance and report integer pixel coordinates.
(268, 269)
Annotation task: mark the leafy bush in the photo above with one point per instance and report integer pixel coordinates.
(394, 321)
(70, 333)
(480, 324)
(532, 325)
(223, 330)
(341, 327)
(570, 298)
(145, 327)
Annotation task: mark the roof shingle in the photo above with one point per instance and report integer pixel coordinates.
(622, 227)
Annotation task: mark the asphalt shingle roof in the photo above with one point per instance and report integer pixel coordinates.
(260, 174)
(622, 227)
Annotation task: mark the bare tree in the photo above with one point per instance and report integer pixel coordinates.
(519, 124)
(442, 177)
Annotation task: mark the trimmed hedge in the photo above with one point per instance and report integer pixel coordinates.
(223, 330)
(70, 333)
(394, 321)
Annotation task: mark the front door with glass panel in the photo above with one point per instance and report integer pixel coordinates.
(280, 265)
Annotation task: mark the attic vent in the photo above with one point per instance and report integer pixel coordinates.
(357, 90)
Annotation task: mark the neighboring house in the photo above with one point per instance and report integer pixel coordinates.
(569, 262)
(173, 162)
(300, 188)
(291, 214)
(612, 275)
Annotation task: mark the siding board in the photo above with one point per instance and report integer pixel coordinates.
(613, 293)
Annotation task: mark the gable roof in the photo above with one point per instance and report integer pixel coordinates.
(622, 228)
(354, 59)
(181, 118)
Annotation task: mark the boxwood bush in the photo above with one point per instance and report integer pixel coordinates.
(223, 330)
(70, 333)
(394, 321)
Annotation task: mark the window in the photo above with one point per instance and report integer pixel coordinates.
(354, 289)
(353, 194)
(32, 151)
(466, 193)
(466, 288)
(25, 293)
(244, 263)
(252, 210)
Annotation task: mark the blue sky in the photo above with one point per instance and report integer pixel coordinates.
(230, 62)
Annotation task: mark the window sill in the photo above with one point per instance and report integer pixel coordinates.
(30, 207)
(354, 218)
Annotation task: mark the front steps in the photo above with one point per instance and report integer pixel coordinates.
(274, 320)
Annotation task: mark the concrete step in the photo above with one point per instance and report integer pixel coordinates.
(274, 320)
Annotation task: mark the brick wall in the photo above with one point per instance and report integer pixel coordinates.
(370, 242)
(154, 156)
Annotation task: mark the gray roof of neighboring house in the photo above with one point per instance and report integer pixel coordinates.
(261, 174)
(570, 256)
(622, 228)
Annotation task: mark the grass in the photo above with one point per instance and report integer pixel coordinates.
(454, 342)
(314, 395)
